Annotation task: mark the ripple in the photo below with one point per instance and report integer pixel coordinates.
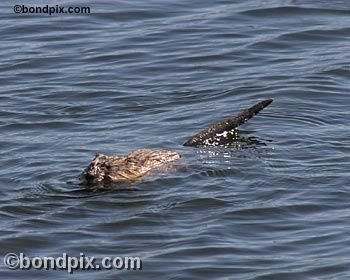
(292, 10)
(273, 205)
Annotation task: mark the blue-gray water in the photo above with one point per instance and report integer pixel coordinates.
(150, 74)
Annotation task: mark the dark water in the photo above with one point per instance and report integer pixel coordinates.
(150, 74)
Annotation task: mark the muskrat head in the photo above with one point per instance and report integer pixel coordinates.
(95, 173)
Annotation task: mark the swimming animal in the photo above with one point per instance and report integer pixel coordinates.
(107, 170)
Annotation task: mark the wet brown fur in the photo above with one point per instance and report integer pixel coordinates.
(104, 170)
(135, 165)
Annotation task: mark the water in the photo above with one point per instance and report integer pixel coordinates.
(150, 74)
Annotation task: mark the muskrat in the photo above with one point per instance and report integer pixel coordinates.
(106, 170)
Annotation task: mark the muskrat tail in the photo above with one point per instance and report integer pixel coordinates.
(227, 124)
